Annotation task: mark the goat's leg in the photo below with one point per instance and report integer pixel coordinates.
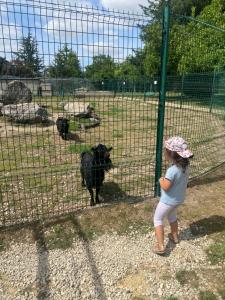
(92, 202)
(82, 177)
(97, 192)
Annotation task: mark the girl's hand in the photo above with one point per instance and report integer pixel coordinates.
(165, 184)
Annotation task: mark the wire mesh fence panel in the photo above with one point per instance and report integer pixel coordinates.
(76, 79)
(195, 99)
(61, 98)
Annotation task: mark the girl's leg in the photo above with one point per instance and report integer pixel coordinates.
(172, 218)
(161, 211)
(159, 233)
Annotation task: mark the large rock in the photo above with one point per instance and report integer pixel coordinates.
(16, 92)
(25, 112)
(78, 109)
(1, 106)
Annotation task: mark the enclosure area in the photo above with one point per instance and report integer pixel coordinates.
(81, 71)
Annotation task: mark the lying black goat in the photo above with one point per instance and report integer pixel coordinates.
(62, 125)
(93, 167)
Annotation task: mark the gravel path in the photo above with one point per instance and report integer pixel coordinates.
(110, 267)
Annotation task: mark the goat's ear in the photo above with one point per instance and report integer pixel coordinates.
(93, 148)
(109, 149)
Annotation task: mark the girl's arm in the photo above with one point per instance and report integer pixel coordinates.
(165, 184)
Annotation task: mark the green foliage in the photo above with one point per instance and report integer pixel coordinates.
(194, 46)
(27, 62)
(182, 7)
(202, 49)
(65, 64)
(103, 67)
(133, 67)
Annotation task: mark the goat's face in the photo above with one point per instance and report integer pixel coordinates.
(102, 154)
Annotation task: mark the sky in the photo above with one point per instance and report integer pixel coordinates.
(89, 27)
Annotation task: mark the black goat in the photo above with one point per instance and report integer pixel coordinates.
(62, 125)
(93, 167)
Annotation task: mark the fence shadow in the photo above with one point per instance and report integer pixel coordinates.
(207, 226)
(111, 191)
(99, 286)
(42, 278)
(215, 175)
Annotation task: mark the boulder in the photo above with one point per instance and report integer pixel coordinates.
(16, 92)
(25, 112)
(78, 109)
(1, 106)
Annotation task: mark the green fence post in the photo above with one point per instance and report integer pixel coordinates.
(162, 94)
(144, 89)
(182, 91)
(212, 92)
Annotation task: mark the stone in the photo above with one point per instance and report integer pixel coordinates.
(78, 109)
(16, 92)
(1, 106)
(25, 112)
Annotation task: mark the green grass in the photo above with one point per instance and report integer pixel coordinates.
(207, 295)
(187, 277)
(117, 134)
(171, 298)
(59, 237)
(216, 253)
(79, 148)
(40, 184)
(113, 111)
(2, 245)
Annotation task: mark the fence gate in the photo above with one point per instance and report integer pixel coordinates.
(60, 60)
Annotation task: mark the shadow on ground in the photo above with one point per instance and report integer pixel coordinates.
(111, 191)
(42, 277)
(215, 175)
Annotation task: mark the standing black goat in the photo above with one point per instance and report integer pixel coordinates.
(93, 167)
(62, 125)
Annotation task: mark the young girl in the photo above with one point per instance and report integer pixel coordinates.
(173, 190)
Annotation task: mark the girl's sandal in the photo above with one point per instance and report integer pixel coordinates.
(172, 239)
(159, 251)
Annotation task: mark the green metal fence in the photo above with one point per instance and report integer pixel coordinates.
(132, 112)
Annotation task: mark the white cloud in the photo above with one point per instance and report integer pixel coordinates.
(127, 5)
(9, 39)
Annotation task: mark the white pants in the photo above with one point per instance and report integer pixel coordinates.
(165, 210)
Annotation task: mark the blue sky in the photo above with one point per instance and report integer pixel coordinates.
(88, 32)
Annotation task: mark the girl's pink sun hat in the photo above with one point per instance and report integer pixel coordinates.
(179, 145)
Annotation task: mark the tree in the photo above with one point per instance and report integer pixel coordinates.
(180, 7)
(151, 33)
(65, 64)
(133, 67)
(102, 68)
(102, 72)
(199, 46)
(27, 58)
(3, 66)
